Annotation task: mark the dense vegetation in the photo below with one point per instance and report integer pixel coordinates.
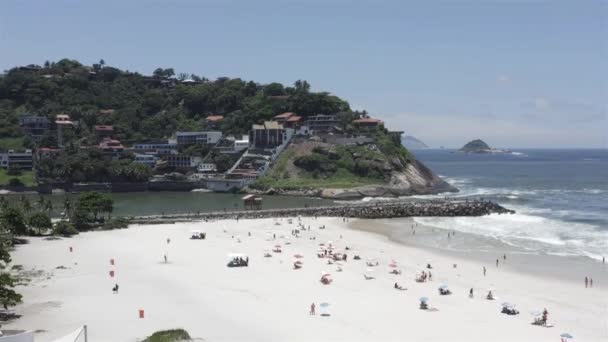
(144, 109)
(173, 335)
(337, 166)
(141, 109)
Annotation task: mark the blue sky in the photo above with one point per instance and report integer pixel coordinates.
(514, 73)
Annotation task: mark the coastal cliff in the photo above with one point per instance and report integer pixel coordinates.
(335, 171)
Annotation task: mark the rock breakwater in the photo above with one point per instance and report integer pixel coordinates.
(369, 210)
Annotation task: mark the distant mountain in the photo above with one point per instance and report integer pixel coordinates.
(412, 143)
(480, 146)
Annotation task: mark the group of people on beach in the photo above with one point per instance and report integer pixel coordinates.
(588, 281)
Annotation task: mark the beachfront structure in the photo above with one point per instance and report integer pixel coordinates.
(184, 162)
(252, 202)
(47, 152)
(270, 134)
(103, 131)
(146, 159)
(22, 160)
(204, 138)
(34, 126)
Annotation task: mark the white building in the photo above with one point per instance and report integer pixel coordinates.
(23, 160)
(191, 138)
(147, 159)
(206, 168)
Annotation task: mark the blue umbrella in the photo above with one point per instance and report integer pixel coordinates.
(444, 286)
(566, 335)
(536, 313)
(507, 304)
(424, 299)
(324, 305)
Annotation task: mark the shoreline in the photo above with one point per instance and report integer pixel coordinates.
(534, 264)
(268, 301)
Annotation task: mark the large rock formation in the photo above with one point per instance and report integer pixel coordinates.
(416, 179)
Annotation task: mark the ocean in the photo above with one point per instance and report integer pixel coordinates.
(560, 196)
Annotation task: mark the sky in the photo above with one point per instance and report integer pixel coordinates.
(516, 73)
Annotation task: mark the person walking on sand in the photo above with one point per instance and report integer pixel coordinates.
(471, 293)
(504, 257)
(586, 282)
(496, 262)
(590, 282)
(312, 309)
(484, 271)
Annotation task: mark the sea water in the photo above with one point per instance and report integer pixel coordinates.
(560, 198)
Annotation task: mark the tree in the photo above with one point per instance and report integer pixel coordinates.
(13, 220)
(64, 228)
(102, 63)
(41, 222)
(16, 182)
(26, 205)
(274, 89)
(88, 208)
(8, 296)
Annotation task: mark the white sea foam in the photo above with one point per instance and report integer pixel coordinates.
(530, 232)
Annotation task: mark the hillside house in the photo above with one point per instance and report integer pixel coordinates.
(270, 134)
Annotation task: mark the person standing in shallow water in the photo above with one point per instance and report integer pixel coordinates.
(586, 282)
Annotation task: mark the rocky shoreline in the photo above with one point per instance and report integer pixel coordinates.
(375, 210)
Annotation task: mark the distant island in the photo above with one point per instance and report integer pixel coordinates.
(480, 146)
(413, 143)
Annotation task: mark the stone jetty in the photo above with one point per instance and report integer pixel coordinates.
(369, 210)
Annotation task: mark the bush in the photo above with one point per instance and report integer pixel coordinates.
(40, 222)
(13, 170)
(15, 182)
(116, 223)
(173, 335)
(64, 228)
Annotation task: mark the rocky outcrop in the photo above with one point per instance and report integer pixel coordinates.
(416, 179)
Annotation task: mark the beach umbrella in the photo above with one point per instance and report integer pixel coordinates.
(392, 265)
(325, 274)
(424, 299)
(536, 313)
(298, 256)
(324, 305)
(277, 246)
(443, 286)
(506, 304)
(566, 335)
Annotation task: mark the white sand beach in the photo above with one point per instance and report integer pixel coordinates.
(269, 300)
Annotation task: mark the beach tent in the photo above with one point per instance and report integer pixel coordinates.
(324, 309)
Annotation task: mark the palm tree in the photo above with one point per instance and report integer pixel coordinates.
(67, 206)
(25, 204)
